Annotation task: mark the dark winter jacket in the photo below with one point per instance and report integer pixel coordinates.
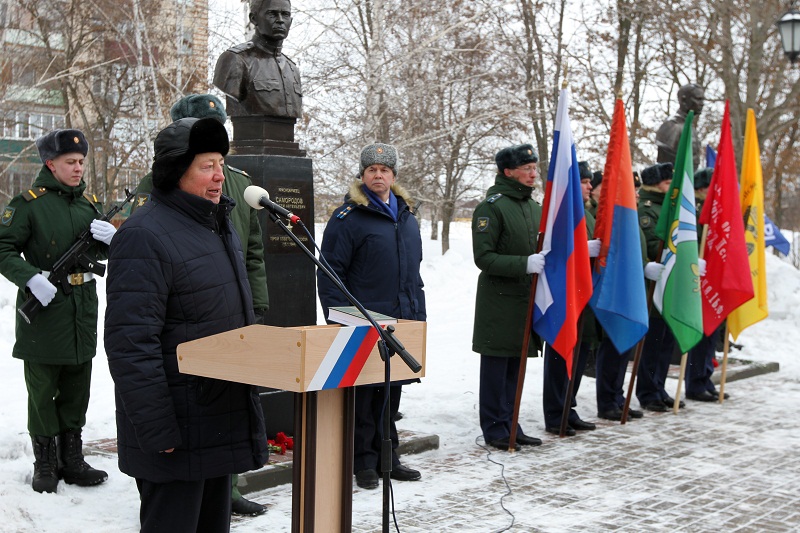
(43, 223)
(245, 222)
(377, 258)
(504, 229)
(177, 273)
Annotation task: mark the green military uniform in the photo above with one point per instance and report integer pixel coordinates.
(245, 222)
(649, 209)
(504, 229)
(42, 224)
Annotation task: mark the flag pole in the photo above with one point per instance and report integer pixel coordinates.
(685, 355)
(523, 359)
(726, 347)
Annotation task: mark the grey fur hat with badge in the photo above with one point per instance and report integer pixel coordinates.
(702, 178)
(657, 173)
(59, 142)
(515, 156)
(177, 144)
(378, 154)
(198, 106)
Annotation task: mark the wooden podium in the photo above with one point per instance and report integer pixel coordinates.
(321, 364)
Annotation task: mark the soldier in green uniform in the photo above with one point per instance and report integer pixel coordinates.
(659, 344)
(245, 221)
(58, 345)
(504, 229)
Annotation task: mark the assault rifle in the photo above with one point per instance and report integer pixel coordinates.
(76, 256)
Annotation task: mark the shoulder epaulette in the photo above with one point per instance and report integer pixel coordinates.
(344, 212)
(91, 197)
(239, 48)
(33, 194)
(238, 170)
(493, 198)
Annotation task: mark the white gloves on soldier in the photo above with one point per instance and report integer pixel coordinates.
(535, 264)
(652, 271)
(701, 266)
(42, 289)
(102, 231)
(594, 247)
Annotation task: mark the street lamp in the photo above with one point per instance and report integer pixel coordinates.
(789, 28)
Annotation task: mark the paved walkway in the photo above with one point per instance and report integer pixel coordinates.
(730, 467)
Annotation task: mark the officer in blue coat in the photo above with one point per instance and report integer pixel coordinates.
(372, 242)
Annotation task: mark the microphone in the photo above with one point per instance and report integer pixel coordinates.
(258, 198)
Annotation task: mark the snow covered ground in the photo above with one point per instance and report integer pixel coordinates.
(445, 404)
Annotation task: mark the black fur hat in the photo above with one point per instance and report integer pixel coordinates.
(657, 173)
(702, 178)
(584, 170)
(515, 156)
(597, 179)
(59, 142)
(177, 144)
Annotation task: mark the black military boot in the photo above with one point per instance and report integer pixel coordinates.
(45, 478)
(72, 468)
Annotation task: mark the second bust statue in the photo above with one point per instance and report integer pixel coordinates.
(257, 78)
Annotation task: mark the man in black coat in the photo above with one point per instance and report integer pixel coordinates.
(177, 273)
(372, 242)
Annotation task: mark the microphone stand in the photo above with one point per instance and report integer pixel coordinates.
(388, 345)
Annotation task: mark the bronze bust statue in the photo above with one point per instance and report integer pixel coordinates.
(691, 97)
(257, 78)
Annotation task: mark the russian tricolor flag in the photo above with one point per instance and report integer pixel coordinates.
(619, 301)
(565, 285)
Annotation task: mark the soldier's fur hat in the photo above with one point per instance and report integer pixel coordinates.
(657, 173)
(515, 156)
(59, 142)
(378, 154)
(198, 106)
(702, 178)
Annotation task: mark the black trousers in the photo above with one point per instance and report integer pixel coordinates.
(659, 346)
(185, 506)
(498, 390)
(369, 426)
(610, 370)
(556, 383)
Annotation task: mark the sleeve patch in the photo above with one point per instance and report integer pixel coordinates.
(8, 216)
(142, 199)
(645, 222)
(483, 224)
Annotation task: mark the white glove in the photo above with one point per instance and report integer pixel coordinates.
(535, 264)
(652, 271)
(701, 263)
(42, 289)
(102, 231)
(594, 247)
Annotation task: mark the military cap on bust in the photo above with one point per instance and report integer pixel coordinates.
(657, 173)
(702, 178)
(379, 154)
(515, 156)
(177, 144)
(198, 106)
(597, 178)
(59, 142)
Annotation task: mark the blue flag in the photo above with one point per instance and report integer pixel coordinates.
(773, 237)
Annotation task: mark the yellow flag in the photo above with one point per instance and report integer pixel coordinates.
(752, 199)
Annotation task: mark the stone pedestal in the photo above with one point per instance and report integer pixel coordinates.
(264, 147)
